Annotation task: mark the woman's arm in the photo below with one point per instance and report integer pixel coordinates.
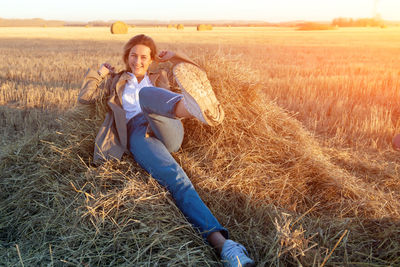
(174, 58)
(90, 90)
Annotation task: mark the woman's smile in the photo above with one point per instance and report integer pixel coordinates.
(139, 60)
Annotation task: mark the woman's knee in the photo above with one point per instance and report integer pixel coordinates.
(145, 95)
(173, 146)
(174, 142)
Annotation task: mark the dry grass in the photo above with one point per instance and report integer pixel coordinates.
(312, 26)
(301, 170)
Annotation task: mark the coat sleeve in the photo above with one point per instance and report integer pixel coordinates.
(181, 57)
(93, 87)
(163, 80)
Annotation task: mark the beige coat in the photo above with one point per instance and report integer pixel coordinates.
(112, 139)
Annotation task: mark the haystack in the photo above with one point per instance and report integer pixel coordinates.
(119, 27)
(262, 174)
(204, 27)
(180, 27)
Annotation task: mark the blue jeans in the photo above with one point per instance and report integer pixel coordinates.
(152, 153)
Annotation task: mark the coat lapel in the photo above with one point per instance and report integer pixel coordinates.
(121, 84)
(153, 77)
(153, 73)
(115, 104)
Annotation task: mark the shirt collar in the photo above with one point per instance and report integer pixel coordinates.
(134, 80)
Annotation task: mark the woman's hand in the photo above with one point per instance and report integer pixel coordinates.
(165, 56)
(105, 69)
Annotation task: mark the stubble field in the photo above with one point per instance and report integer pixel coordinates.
(301, 171)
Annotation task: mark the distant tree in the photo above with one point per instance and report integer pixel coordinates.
(363, 22)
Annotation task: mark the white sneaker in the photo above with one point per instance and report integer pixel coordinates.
(235, 255)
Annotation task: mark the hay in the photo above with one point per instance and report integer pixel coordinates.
(204, 27)
(180, 27)
(119, 27)
(274, 156)
(53, 198)
(313, 26)
(260, 172)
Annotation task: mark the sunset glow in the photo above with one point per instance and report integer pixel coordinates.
(271, 11)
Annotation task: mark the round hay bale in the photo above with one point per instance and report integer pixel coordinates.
(180, 27)
(119, 27)
(204, 27)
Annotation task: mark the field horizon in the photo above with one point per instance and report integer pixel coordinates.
(302, 170)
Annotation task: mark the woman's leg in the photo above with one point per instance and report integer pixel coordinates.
(160, 109)
(153, 156)
(158, 106)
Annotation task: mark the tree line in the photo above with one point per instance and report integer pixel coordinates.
(363, 22)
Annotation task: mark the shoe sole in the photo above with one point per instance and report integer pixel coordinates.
(199, 97)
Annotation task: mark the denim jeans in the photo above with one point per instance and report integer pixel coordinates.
(152, 153)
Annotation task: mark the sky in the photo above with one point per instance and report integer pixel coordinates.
(165, 10)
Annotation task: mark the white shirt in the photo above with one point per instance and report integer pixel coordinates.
(130, 96)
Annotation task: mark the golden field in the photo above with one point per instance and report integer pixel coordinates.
(301, 171)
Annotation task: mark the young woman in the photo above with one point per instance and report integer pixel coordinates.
(144, 119)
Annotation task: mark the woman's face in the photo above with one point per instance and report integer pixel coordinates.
(139, 60)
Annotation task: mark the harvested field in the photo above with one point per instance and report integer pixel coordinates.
(301, 171)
